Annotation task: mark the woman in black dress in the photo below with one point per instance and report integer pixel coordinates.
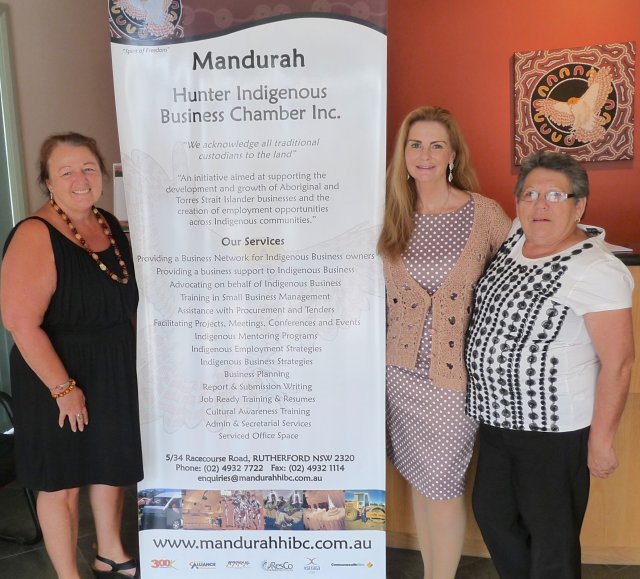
(68, 296)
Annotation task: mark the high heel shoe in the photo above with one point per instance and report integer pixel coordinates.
(116, 568)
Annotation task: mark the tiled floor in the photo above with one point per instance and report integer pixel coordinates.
(32, 562)
(18, 562)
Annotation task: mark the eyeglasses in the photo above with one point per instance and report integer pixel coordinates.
(550, 196)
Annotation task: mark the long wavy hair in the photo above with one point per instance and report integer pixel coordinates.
(401, 191)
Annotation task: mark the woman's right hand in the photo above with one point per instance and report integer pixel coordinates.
(72, 407)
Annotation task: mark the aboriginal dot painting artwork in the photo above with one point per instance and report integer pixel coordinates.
(575, 100)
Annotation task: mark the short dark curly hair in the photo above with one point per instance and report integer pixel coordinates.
(560, 162)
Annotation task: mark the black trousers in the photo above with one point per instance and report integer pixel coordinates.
(530, 496)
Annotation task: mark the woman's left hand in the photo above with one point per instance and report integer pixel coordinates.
(601, 461)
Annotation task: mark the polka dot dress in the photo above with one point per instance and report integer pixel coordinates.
(429, 437)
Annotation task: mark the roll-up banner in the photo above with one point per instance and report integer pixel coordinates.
(252, 140)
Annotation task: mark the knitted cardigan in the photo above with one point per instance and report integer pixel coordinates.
(408, 302)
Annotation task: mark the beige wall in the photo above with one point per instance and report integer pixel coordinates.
(62, 67)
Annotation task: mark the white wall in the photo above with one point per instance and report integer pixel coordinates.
(62, 67)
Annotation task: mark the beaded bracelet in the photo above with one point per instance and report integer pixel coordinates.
(60, 388)
(69, 385)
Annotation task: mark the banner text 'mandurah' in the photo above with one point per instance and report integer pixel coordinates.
(248, 61)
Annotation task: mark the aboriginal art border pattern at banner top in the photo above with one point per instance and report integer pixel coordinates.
(169, 21)
(575, 100)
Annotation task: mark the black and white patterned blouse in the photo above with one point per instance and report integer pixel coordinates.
(530, 359)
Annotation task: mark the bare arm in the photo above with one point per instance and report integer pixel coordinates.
(27, 282)
(612, 335)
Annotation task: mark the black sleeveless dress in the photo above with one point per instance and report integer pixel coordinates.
(89, 323)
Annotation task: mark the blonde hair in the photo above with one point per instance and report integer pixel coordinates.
(401, 191)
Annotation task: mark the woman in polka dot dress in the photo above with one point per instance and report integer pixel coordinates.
(438, 235)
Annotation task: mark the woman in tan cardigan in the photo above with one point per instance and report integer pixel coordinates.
(438, 235)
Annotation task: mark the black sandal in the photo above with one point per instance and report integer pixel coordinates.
(116, 568)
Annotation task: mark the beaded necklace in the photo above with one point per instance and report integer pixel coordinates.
(105, 228)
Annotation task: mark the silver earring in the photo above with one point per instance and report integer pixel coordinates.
(50, 195)
(408, 176)
(450, 177)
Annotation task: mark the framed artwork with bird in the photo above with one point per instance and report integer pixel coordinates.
(575, 100)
